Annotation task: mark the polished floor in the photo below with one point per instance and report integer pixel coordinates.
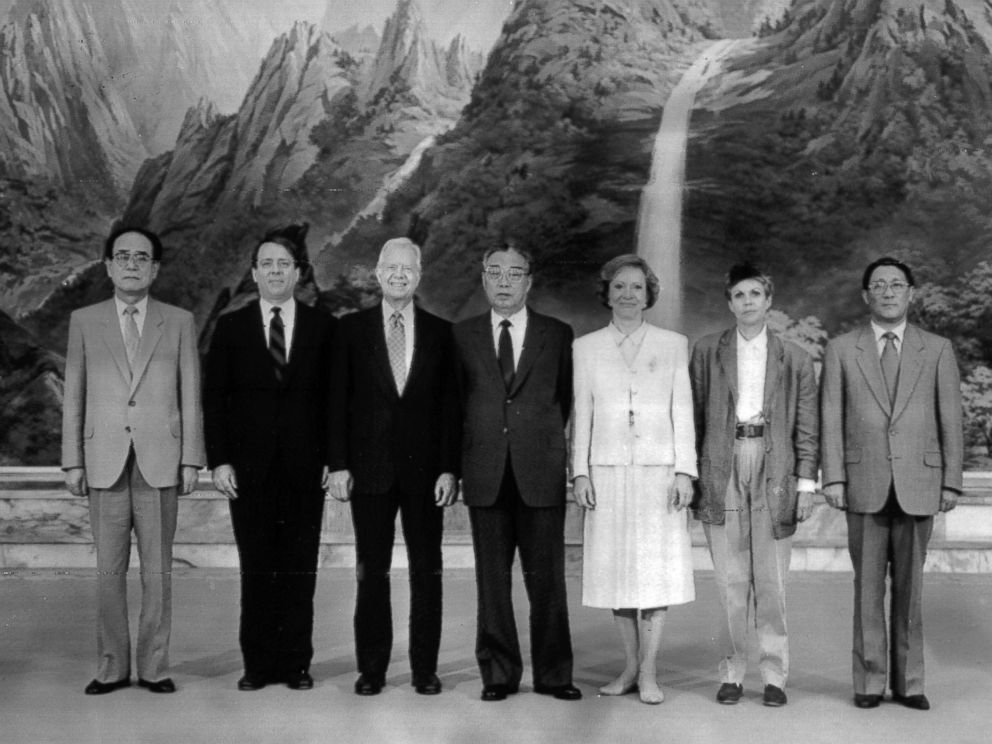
(47, 649)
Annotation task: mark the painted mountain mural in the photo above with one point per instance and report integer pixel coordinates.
(823, 133)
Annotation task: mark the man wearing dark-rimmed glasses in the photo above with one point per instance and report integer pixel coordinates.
(132, 441)
(515, 375)
(891, 450)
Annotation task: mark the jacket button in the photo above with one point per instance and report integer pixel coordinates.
(505, 430)
(509, 401)
(127, 429)
(132, 403)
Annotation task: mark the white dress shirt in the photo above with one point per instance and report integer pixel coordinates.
(139, 317)
(518, 329)
(752, 358)
(288, 314)
(407, 315)
(629, 343)
(899, 331)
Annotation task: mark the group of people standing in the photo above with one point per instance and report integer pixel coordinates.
(389, 408)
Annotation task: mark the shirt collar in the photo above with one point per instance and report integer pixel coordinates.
(517, 320)
(878, 331)
(288, 309)
(406, 313)
(758, 342)
(635, 336)
(141, 304)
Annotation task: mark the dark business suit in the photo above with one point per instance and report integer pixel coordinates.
(395, 444)
(894, 460)
(513, 481)
(274, 434)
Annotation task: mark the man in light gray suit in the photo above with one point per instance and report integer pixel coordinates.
(132, 441)
(892, 448)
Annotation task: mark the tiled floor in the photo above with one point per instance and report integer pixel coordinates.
(47, 649)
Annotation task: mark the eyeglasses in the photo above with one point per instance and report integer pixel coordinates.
(283, 264)
(398, 269)
(880, 288)
(514, 274)
(124, 259)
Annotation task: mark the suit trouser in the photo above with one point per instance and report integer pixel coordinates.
(133, 504)
(277, 529)
(374, 518)
(896, 543)
(539, 533)
(750, 568)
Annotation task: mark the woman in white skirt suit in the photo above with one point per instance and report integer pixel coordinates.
(634, 459)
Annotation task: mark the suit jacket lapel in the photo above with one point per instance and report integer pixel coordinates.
(376, 333)
(871, 368)
(534, 340)
(910, 367)
(774, 366)
(483, 334)
(114, 340)
(423, 344)
(727, 356)
(151, 334)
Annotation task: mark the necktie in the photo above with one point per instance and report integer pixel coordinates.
(505, 353)
(131, 336)
(890, 365)
(277, 342)
(396, 345)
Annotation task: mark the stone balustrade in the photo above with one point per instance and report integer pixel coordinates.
(43, 526)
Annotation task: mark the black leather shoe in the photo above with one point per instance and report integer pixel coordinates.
(251, 682)
(367, 686)
(729, 693)
(560, 692)
(163, 685)
(102, 688)
(429, 685)
(867, 701)
(774, 697)
(493, 693)
(299, 680)
(916, 702)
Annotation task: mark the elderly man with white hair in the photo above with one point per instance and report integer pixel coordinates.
(394, 447)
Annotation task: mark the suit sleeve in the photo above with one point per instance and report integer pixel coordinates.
(216, 395)
(340, 394)
(950, 418)
(74, 398)
(832, 417)
(582, 411)
(699, 381)
(565, 374)
(190, 391)
(806, 435)
(450, 413)
(683, 422)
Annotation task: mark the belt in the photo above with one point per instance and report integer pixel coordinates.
(749, 431)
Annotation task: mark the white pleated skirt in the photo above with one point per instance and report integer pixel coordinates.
(637, 552)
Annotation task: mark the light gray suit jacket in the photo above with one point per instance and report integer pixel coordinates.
(106, 408)
(917, 443)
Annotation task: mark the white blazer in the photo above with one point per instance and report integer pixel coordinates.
(656, 389)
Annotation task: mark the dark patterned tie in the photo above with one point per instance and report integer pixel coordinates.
(131, 336)
(396, 345)
(506, 353)
(277, 343)
(890, 365)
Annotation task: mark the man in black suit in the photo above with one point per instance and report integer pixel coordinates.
(266, 410)
(515, 374)
(394, 447)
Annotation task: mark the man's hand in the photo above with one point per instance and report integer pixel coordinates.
(835, 495)
(225, 481)
(582, 490)
(188, 476)
(948, 499)
(75, 481)
(680, 495)
(339, 485)
(804, 506)
(445, 490)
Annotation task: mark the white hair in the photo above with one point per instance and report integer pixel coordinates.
(399, 243)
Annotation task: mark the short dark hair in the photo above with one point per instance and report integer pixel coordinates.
(291, 237)
(613, 267)
(507, 246)
(747, 270)
(108, 245)
(886, 261)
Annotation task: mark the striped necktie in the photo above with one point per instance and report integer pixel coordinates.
(131, 336)
(277, 342)
(396, 345)
(890, 365)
